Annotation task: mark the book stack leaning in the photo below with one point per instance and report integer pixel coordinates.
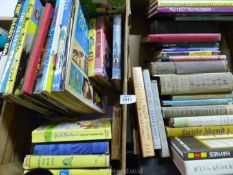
(195, 88)
(80, 147)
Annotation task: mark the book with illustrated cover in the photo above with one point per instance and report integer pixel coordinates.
(24, 46)
(58, 79)
(12, 49)
(203, 147)
(66, 161)
(78, 148)
(98, 129)
(196, 83)
(186, 111)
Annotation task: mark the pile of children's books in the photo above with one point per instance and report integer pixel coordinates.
(56, 57)
(81, 147)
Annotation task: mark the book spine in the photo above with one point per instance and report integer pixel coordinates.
(207, 154)
(31, 71)
(204, 96)
(197, 102)
(63, 38)
(72, 148)
(199, 131)
(151, 109)
(193, 3)
(116, 45)
(99, 63)
(13, 26)
(48, 73)
(185, 45)
(196, 58)
(196, 83)
(162, 133)
(26, 39)
(190, 53)
(183, 38)
(189, 50)
(82, 172)
(162, 68)
(12, 49)
(178, 10)
(201, 121)
(173, 112)
(143, 114)
(69, 161)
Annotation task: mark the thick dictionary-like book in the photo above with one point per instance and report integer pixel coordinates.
(82, 171)
(203, 147)
(188, 67)
(12, 49)
(24, 46)
(202, 96)
(98, 129)
(199, 131)
(66, 161)
(202, 102)
(183, 38)
(163, 139)
(214, 120)
(186, 111)
(31, 71)
(221, 166)
(72, 148)
(145, 133)
(151, 109)
(196, 83)
(15, 20)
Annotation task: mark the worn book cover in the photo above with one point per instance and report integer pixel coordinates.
(98, 129)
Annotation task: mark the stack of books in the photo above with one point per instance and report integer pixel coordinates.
(80, 147)
(50, 52)
(190, 97)
(187, 7)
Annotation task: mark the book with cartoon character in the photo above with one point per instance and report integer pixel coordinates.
(98, 129)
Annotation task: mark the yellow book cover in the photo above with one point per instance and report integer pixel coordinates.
(92, 47)
(201, 53)
(195, 3)
(69, 161)
(82, 172)
(98, 129)
(199, 131)
(25, 43)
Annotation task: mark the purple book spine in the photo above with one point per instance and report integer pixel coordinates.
(194, 10)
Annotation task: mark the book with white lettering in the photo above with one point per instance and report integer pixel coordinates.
(203, 147)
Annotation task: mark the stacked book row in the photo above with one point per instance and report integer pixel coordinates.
(56, 57)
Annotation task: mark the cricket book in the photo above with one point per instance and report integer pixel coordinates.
(203, 147)
(66, 161)
(98, 129)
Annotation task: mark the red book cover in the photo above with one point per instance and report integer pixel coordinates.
(183, 38)
(31, 71)
(197, 58)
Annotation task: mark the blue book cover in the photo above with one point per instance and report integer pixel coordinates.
(186, 45)
(72, 148)
(189, 49)
(3, 40)
(61, 57)
(13, 47)
(116, 55)
(222, 101)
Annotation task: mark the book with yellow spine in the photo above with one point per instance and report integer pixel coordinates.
(199, 131)
(25, 42)
(82, 172)
(195, 3)
(98, 129)
(68, 161)
(92, 47)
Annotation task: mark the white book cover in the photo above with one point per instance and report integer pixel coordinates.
(151, 109)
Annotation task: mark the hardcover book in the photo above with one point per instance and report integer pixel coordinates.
(69, 161)
(98, 129)
(203, 147)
